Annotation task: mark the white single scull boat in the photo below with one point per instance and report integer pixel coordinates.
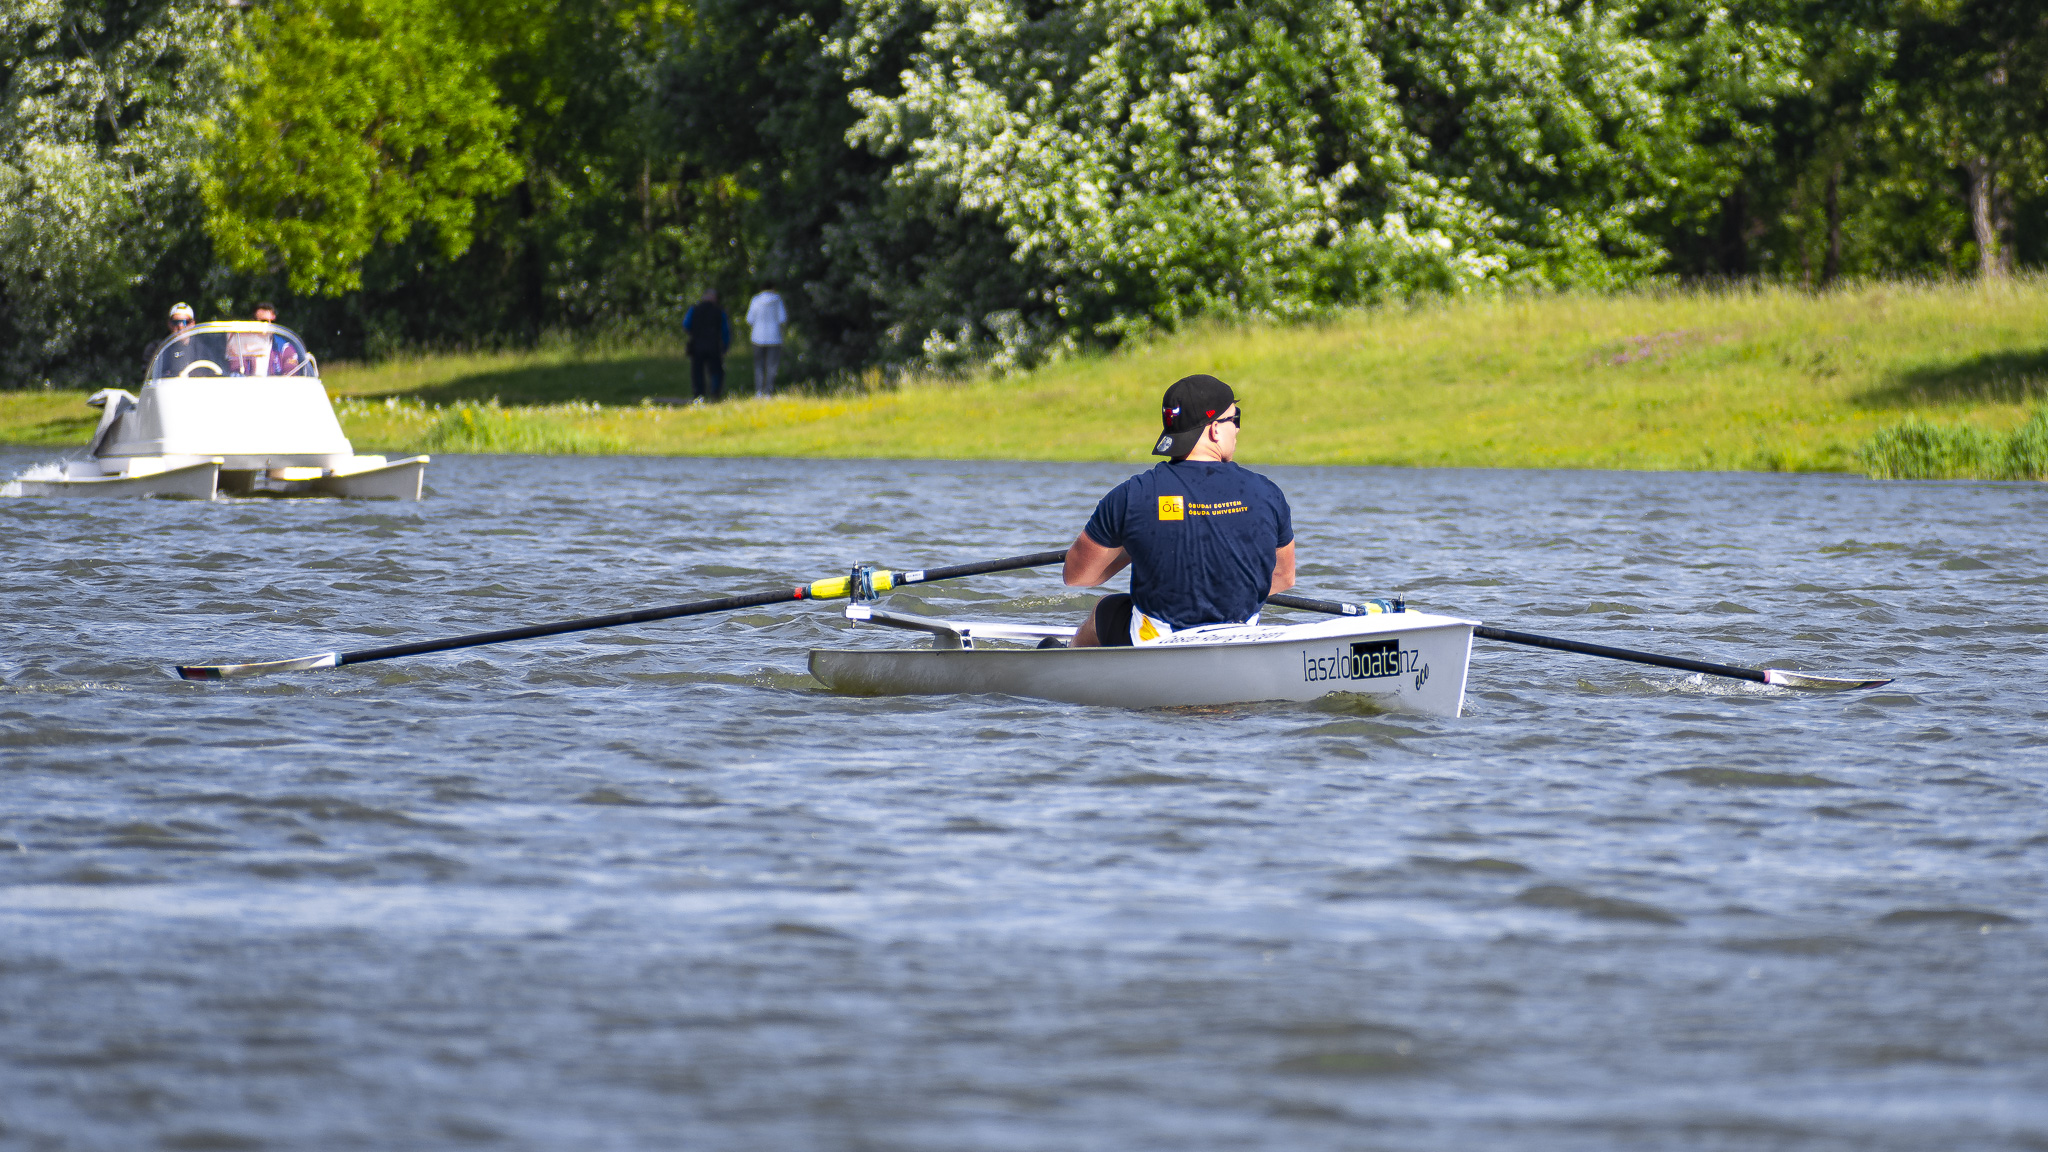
(1414, 661)
(1410, 661)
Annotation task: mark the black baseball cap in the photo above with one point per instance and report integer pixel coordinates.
(1192, 404)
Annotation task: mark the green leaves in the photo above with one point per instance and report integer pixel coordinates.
(945, 182)
(101, 106)
(1148, 163)
(357, 120)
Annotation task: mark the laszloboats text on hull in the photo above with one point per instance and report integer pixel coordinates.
(227, 408)
(1408, 661)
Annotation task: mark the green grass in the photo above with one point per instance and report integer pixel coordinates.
(1768, 379)
(1921, 450)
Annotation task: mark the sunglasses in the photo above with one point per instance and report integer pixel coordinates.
(1236, 418)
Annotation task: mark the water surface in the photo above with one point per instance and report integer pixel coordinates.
(654, 888)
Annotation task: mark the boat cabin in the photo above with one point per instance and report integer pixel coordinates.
(234, 348)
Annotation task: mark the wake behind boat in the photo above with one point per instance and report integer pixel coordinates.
(1410, 661)
(228, 407)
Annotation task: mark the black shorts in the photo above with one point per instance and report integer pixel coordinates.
(1113, 620)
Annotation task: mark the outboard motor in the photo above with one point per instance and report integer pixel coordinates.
(113, 404)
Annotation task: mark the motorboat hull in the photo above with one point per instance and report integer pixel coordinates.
(184, 482)
(359, 478)
(1409, 661)
(363, 478)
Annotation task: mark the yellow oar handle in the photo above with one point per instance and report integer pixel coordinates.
(883, 580)
(837, 587)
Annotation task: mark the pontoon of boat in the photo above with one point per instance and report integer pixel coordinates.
(230, 408)
(1406, 661)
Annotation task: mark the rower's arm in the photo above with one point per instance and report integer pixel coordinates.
(1089, 563)
(1283, 567)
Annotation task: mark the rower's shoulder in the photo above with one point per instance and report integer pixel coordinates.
(1263, 482)
(1149, 477)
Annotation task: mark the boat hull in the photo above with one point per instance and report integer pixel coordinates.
(186, 482)
(370, 479)
(360, 478)
(1408, 662)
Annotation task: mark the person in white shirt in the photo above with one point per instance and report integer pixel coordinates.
(766, 313)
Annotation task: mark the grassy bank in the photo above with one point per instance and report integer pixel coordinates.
(1765, 379)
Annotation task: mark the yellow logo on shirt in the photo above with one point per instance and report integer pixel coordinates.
(1171, 508)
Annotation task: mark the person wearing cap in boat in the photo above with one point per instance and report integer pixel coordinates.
(180, 319)
(1206, 540)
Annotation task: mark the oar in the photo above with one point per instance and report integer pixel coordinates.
(835, 588)
(1777, 676)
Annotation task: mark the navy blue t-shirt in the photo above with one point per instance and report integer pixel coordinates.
(1201, 534)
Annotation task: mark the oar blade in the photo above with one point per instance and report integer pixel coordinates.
(1786, 679)
(263, 668)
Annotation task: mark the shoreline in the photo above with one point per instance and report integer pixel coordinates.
(1754, 380)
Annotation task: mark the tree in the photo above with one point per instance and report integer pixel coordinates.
(1974, 76)
(101, 113)
(356, 121)
(1146, 163)
(753, 101)
(1149, 163)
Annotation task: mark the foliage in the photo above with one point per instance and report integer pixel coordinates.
(1869, 164)
(488, 428)
(356, 120)
(101, 108)
(749, 92)
(600, 233)
(2026, 450)
(1918, 449)
(1976, 99)
(945, 183)
(1150, 163)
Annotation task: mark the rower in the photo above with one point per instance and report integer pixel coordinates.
(1206, 540)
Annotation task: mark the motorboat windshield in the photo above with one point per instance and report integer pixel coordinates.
(238, 348)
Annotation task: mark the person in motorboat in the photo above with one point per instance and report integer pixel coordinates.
(258, 354)
(180, 319)
(1206, 540)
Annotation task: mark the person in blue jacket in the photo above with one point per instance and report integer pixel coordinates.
(1206, 541)
(709, 333)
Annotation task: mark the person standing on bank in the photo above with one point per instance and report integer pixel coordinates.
(1206, 541)
(710, 334)
(767, 315)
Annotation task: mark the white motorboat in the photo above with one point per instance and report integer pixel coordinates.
(233, 408)
(1409, 661)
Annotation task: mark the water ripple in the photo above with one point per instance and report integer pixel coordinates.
(614, 888)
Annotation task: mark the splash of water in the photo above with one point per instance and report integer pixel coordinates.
(52, 471)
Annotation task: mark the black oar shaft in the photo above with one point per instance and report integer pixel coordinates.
(1340, 608)
(1679, 662)
(980, 567)
(837, 587)
(642, 616)
(674, 611)
(1311, 604)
